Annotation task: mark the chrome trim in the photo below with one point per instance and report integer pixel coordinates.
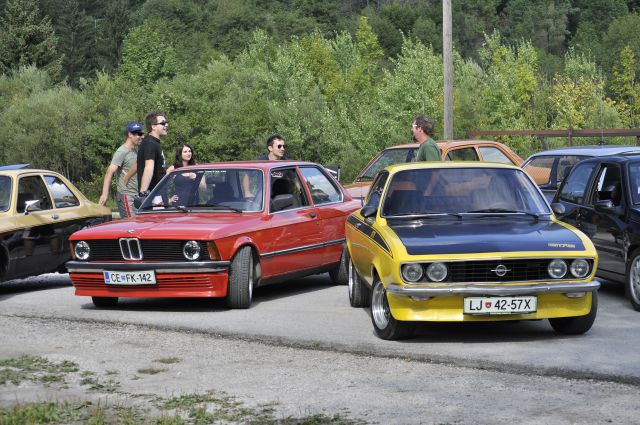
(128, 253)
(426, 291)
(302, 248)
(159, 267)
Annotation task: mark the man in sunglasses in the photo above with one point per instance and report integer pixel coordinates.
(151, 165)
(123, 165)
(275, 148)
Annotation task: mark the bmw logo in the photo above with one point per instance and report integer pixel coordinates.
(130, 230)
(501, 270)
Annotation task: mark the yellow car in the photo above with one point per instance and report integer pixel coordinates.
(463, 241)
(39, 210)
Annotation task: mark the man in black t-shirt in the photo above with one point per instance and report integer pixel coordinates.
(151, 166)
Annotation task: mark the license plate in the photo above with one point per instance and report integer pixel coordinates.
(500, 305)
(130, 278)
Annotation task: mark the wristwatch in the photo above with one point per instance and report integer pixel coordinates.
(144, 194)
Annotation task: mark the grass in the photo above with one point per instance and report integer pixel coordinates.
(151, 370)
(35, 369)
(168, 360)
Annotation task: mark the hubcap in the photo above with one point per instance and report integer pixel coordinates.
(380, 306)
(635, 280)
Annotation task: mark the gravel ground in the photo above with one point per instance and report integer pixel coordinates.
(297, 382)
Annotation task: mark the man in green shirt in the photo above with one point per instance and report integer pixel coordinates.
(422, 130)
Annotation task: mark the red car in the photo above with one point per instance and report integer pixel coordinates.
(218, 230)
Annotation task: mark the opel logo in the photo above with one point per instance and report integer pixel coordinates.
(501, 270)
(130, 230)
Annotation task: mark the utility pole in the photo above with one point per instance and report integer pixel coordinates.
(447, 58)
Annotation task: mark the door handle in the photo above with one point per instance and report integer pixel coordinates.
(313, 214)
(55, 216)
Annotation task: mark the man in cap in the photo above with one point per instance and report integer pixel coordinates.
(123, 163)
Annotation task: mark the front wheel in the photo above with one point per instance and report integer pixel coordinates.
(241, 279)
(359, 294)
(579, 324)
(632, 280)
(105, 302)
(385, 326)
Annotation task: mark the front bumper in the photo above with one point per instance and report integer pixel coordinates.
(159, 267)
(427, 291)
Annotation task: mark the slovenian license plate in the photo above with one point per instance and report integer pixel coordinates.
(130, 278)
(500, 305)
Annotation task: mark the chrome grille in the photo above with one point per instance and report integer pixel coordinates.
(130, 249)
(149, 250)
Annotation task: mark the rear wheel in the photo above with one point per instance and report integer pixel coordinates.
(105, 302)
(385, 326)
(241, 279)
(340, 275)
(576, 325)
(359, 294)
(632, 280)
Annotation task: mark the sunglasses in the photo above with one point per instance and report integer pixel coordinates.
(138, 134)
(162, 123)
(281, 146)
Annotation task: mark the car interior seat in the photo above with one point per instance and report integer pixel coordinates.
(222, 192)
(283, 186)
(403, 202)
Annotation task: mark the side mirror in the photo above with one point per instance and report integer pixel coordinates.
(281, 202)
(31, 206)
(557, 208)
(607, 207)
(368, 211)
(138, 200)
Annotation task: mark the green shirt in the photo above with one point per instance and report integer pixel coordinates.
(428, 151)
(124, 159)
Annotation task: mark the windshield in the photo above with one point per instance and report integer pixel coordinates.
(386, 158)
(5, 192)
(462, 190)
(222, 189)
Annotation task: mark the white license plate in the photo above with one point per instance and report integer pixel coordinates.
(130, 278)
(500, 305)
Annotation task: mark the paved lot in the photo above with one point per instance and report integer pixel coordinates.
(310, 313)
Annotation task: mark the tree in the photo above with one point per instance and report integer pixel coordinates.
(625, 89)
(77, 41)
(27, 39)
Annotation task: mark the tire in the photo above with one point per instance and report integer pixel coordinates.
(579, 324)
(105, 302)
(241, 279)
(359, 294)
(340, 275)
(385, 326)
(632, 280)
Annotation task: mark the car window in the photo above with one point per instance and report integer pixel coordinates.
(323, 190)
(386, 158)
(63, 197)
(375, 193)
(462, 154)
(493, 154)
(32, 188)
(5, 192)
(573, 189)
(634, 182)
(608, 185)
(285, 184)
(539, 168)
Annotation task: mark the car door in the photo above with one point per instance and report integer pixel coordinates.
(328, 199)
(293, 232)
(493, 154)
(572, 195)
(607, 229)
(38, 247)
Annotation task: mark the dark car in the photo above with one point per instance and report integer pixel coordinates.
(548, 168)
(601, 197)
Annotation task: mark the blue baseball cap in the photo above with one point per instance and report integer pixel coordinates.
(133, 127)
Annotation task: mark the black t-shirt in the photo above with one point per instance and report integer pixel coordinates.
(266, 157)
(150, 148)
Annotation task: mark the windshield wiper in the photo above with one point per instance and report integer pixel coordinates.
(425, 214)
(363, 178)
(224, 207)
(178, 207)
(504, 210)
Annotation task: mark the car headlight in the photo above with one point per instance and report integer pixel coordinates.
(437, 272)
(191, 250)
(412, 272)
(82, 250)
(579, 268)
(557, 269)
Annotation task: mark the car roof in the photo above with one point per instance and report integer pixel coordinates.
(13, 167)
(448, 164)
(622, 157)
(588, 150)
(448, 143)
(261, 164)
(16, 172)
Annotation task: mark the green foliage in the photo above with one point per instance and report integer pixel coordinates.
(625, 89)
(27, 39)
